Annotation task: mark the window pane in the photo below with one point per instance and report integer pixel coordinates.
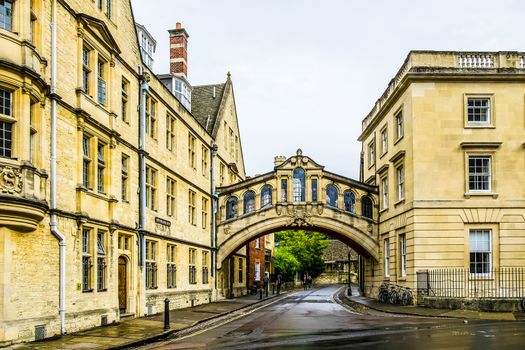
(6, 139)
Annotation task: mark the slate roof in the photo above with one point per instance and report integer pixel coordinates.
(203, 105)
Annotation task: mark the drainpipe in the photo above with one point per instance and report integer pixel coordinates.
(53, 220)
(213, 234)
(144, 79)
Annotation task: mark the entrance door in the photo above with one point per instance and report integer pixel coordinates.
(122, 284)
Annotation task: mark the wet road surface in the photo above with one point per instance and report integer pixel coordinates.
(312, 320)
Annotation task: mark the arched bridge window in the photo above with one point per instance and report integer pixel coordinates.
(331, 195)
(366, 207)
(349, 199)
(231, 208)
(249, 202)
(266, 196)
(298, 185)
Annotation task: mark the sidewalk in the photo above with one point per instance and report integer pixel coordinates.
(361, 303)
(137, 331)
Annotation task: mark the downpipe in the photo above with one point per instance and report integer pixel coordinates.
(53, 178)
(144, 88)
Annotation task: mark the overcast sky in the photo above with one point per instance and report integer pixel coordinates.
(306, 72)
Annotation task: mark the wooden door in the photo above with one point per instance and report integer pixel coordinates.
(122, 284)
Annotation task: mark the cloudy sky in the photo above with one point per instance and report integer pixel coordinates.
(307, 72)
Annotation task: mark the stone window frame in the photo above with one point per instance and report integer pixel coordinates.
(192, 207)
(151, 116)
(384, 140)
(204, 212)
(486, 265)
(151, 264)
(171, 132)
(87, 259)
(124, 177)
(124, 100)
(92, 160)
(171, 196)
(385, 202)
(399, 124)
(171, 266)
(192, 161)
(481, 149)
(386, 254)
(102, 258)
(205, 266)
(192, 268)
(266, 196)
(9, 119)
(494, 246)
(102, 162)
(11, 22)
(371, 149)
(97, 58)
(491, 124)
(204, 161)
(151, 187)
(402, 239)
(240, 270)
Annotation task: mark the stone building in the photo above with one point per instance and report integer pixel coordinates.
(106, 184)
(444, 143)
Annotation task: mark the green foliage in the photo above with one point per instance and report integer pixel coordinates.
(286, 263)
(306, 247)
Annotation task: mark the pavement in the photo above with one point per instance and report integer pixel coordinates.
(361, 304)
(139, 331)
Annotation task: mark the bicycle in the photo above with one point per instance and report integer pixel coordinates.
(383, 293)
(394, 296)
(406, 297)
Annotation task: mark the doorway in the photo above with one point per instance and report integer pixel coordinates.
(122, 284)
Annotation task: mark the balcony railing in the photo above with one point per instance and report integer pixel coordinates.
(475, 61)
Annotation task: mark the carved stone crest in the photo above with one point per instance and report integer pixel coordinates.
(300, 216)
(10, 180)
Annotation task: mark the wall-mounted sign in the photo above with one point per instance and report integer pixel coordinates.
(162, 222)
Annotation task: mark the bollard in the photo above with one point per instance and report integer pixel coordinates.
(273, 289)
(166, 314)
(266, 290)
(260, 293)
(349, 292)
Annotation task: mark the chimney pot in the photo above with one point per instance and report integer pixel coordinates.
(178, 25)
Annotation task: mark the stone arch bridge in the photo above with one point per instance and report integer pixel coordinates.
(298, 194)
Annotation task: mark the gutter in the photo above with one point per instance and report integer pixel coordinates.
(53, 178)
(213, 227)
(144, 79)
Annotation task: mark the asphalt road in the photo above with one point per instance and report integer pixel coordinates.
(312, 320)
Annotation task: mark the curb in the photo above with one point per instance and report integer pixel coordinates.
(166, 334)
(397, 312)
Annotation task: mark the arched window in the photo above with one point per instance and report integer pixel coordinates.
(366, 207)
(349, 199)
(249, 202)
(266, 196)
(331, 195)
(298, 185)
(231, 208)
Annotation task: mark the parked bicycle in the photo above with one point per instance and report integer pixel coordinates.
(383, 293)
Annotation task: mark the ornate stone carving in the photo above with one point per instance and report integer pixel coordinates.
(299, 216)
(10, 180)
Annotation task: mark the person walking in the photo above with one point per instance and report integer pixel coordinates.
(278, 282)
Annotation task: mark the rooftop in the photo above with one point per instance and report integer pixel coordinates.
(446, 63)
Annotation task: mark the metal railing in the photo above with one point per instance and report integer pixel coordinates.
(504, 282)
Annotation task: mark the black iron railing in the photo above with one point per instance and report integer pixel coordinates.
(504, 282)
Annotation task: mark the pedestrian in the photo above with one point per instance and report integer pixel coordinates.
(309, 282)
(266, 279)
(278, 282)
(305, 282)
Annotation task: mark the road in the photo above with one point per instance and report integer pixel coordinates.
(312, 320)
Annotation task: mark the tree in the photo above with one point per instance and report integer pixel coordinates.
(306, 247)
(286, 263)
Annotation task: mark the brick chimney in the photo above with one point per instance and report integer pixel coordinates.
(179, 51)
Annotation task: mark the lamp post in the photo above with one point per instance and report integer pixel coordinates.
(349, 282)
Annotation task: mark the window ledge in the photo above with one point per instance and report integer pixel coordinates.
(399, 202)
(481, 194)
(480, 126)
(403, 278)
(102, 290)
(383, 154)
(383, 210)
(398, 139)
(87, 290)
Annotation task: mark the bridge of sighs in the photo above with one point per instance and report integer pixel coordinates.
(298, 194)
